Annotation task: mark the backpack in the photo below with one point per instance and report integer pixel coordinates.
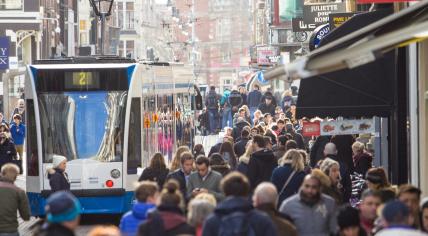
(212, 100)
(236, 224)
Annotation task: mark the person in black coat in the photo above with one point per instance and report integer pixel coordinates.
(7, 149)
(239, 126)
(362, 159)
(344, 149)
(156, 171)
(266, 106)
(236, 188)
(58, 178)
(317, 150)
(186, 163)
(262, 162)
(239, 147)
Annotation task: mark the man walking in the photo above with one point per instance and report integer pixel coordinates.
(204, 180)
(262, 162)
(182, 174)
(312, 212)
(17, 129)
(13, 199)
(211, 102)
(253, 99)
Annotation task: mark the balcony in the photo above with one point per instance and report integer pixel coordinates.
(11, 5)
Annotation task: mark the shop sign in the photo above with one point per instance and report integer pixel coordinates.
(318, 14)
(266, 54)
(311, 129)
(343, 127)
(319, 33)
(337, 19)
(300, 26)
(4, 53)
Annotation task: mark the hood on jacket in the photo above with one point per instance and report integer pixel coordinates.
(172, 218)
(140, 209)
(52, 171)
(232, 204)
(242, 123)
(325, 180)
(223, 167)
(263, 155)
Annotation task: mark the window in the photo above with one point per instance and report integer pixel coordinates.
(129, 49)
(224, 29)
(11, 4)
(134, 139)
(226, 56)
(129, 16)
(31, 142)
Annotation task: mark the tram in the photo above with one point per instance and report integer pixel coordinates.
(107, 116)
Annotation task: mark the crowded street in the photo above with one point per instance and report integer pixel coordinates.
(213, 118)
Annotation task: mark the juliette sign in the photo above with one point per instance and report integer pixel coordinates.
(319, 13)
(4, 53)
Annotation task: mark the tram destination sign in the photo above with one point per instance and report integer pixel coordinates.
(318, 14)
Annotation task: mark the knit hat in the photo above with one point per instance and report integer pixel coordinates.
(62, 206)
(57, 159)
(395, 212)
(348, 217)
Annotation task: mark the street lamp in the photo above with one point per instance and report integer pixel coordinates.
(102, 8)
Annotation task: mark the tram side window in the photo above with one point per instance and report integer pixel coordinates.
(32, 155)
(134, 140)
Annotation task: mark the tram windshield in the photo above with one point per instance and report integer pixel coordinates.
(82, 125)
(82, 112)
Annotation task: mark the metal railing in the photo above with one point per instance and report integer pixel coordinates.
(8, 5)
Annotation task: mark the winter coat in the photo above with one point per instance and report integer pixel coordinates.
(319, 219)
(179, 176)
(280, 176)
(130, 220)
(243, 165)
(236, 133)
(264, 108)
(235, 99)
(156, 175)
(317, 150)
(165, 221)
(362, 162)
(261, 166)
(239, 147)
(58, 180)
(13, 199)
(7, 152)
(254, 98)
(18, 133)
(283, 226)
(345, 180)
(268, 94)
(244, 99)
(260, 222)
(344, 150)
(212, 99)
(223, 169)
(210, 183)
(215, 148)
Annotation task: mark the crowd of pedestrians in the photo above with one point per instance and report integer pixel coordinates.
(261, 178)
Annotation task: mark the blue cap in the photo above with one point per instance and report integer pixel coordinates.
(62, 206)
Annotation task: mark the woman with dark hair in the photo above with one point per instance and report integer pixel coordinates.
(156, 171)
(226, 150)
(198, 150)
(218, 164)
(168, 218)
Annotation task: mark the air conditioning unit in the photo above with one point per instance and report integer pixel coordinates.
(261, 4)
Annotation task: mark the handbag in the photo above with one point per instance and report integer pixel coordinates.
(287, 182)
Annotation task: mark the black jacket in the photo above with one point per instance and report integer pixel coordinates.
(280, 176)
(259, 221)
(260, 167)
(215, 148)
(239, 147)
(7, 152)
(264, 108)
(58, 180)
(317, 150)
(344, 149)
(181, 179)
(362, 163)
(154, 175)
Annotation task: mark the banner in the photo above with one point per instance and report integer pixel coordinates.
(343, 127)
(267, 55)
(318, 13)
(4, 53)
(337, 19)
(311, 129)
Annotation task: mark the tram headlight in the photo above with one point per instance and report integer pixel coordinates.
(115, 173)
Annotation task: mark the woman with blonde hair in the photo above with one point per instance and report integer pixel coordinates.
(175, 164)
(198, 211)
(245, 158)
(289, 175)
(362, 159)
(331, 169)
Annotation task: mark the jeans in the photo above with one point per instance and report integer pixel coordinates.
(227, 118)
(212, 117)
(252, 110)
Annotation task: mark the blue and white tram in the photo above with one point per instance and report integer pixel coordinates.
(90, 110)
